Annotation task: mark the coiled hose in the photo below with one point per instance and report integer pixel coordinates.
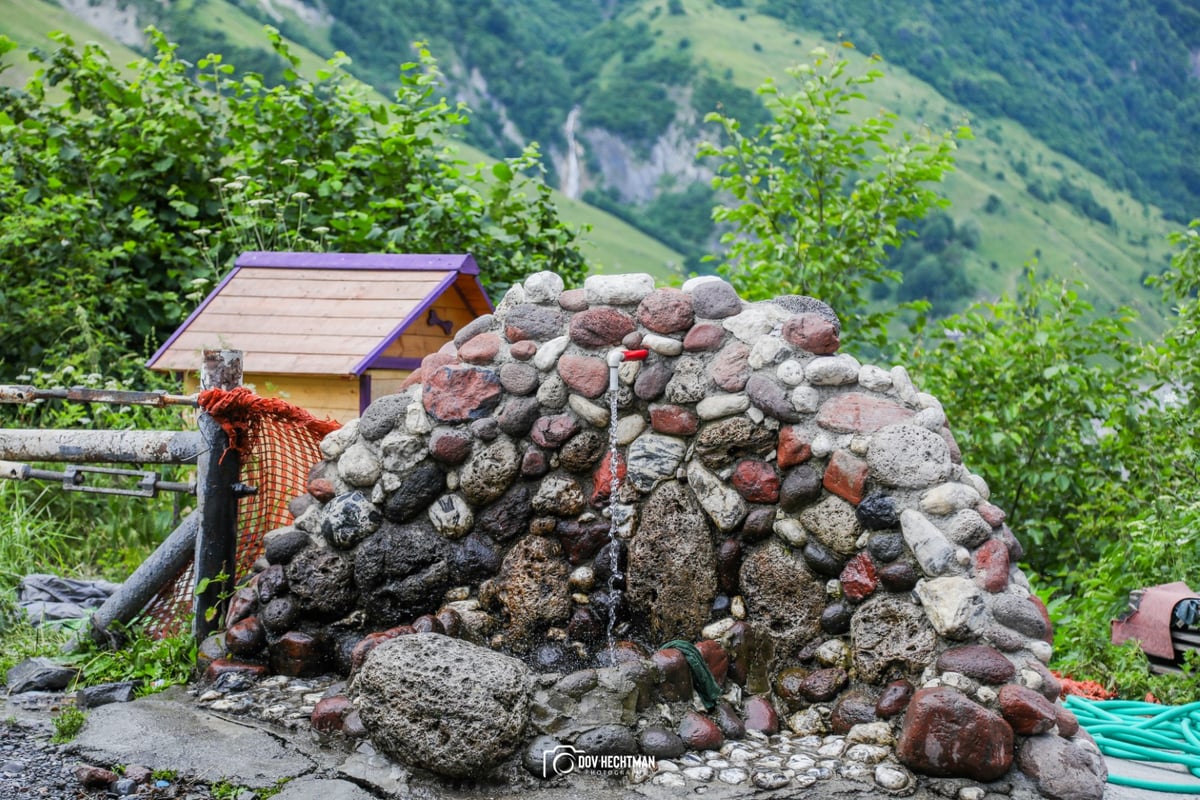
(1141, 731)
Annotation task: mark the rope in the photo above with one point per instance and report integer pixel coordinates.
(1142, 731)
(702, 678)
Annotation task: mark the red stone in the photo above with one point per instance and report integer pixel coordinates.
(457, 394)
(978, 661)
(585, 375)
(699, 732)
(245, 638)
(523, 351)
(955, 451)
(899, 576)
(322, 489)
(731, 368)
(761, 716)
(1045, 612)
(947, 735)
(573, 300)
(859, 578)
(992, 515)
(823, 685)
(91, 777)
(451, 621)
(626, 651)
(716, 658)
(757, 481)
(1068, 723)
(729, 566)
(600, 327)
(676, 682)
(855, 412)
(787, 687)
(581, 540)
(1026, 711)
(364, 647)
(428, 623)
(991, 566)
(666, 310)
(728, 721)
(450, 446)
(674, 420)
(480, 349)
(243, 603)
(221, 666)
(812, 333)
(533, 463)
(852, 708)
(703, 337)
(894, 699)
(793, 447)
(603, 476)
(846, 476)
(551, 432)
(329, 714)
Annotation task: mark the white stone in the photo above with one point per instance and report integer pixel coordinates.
(451, 516)
(548, 353)
(925, 400)
(737, 607)
(859, 445)
(980, 486)
(791, 531)
(875, 379)
(513, 297)
(704, 774)
(908, 457)
(416, 421)
(629, 428)
(801, 762)
(839, 370)
(733, 776)
(956, 680)
(557, 492)
(627, 372)
(719, 763)
(822, 445)
(663, 345)
(767, 351)
(718, 406)
(715, 630)
(724, 506)
(543, 287)
(806, 399)
(867, 753)
(596, 415)
(903, 385)
(770, 780)
(807, 723)
(617, 290)
(893, 777)
(666, 766)
(756, 415)
(833, 748)
(690, 284)
(752, 323)
(790, 372)
(954, 606)
(947, 498)
(336, 442)
(879, 733)
(986, 695)
(933, 419)
(1041, 650)
(971, 793)
(670, 780)
(640, 771)
(359, 466)
(833, 653)
(804, 781)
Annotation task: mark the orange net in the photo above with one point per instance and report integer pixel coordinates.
(278, 444)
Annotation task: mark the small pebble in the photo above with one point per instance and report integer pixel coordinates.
(733, 776)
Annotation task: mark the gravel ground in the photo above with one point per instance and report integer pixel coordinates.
(32, 767)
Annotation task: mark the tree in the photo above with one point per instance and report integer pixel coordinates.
(129, 192)
(817, 197)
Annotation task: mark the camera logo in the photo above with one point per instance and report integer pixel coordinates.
(559, 761)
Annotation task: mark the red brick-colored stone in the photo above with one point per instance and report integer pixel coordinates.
(855, 412)
(761, 716)
(952, 443)
(978, 661)
(793, 447)
(534, 464)
(480, 349)
(703, 337)
(1026, 711)
(699, 732)
(716, 658)
(329, 714)
(550, 432)
(812, 333)
(894, 699)
(676, 681)
(92, 777)
(674, 420)
(428, 623)
(859, 578)
(322, 489)
(992, 515)
(991, 566)
(666, 310)
(1068, 723)
(600, 327)
(523, 350)
(602, 478)
(458, 394)
(846, 476)
(581, 540)
(854, 707)
(245, 638)
(450, 445)
(948, 735)
(586, 375)
(757, 481)
(823, 685)
(731, 368)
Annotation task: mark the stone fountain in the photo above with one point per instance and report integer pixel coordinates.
(496, 553)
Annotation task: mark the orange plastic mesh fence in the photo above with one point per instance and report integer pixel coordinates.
(278, 444)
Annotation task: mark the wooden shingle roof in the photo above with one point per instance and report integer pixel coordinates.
(318, 313)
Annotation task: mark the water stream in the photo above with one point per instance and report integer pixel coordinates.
(614, 554)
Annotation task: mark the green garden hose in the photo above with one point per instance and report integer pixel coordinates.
(1144, 732)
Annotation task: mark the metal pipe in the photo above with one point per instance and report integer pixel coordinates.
(81, 446)
(80, 394)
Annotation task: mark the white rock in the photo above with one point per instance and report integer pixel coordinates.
(925, 400)
(971, 793)
(832, 748)
(822, 445)
(336, 442)
(933, 419)
(596, 415)
(627, 372)
(617, 290)
(666, 766)
(946, 498)
(756, 415)
(671, 780)
(416, 421)
(801, 762)
(737, 607)
(704, 774)
(833, 653)
(986, 695)
(903, 386)
(807, 723)
(691, 283)
(733, 776)
(791, 531)
(980, 486)
(790, 372)
(663, 345)
(874, 378)
(893, 777)
(867, 753)
(908, 457)
(543, 287)
(770, 780)
(859, 445)
(1041, 650)
(751, 324)
(806, 399)
(451, 516)
(839, 370)
(548, 353)
(879, 733)
(954, 606)
(716, 630)
(718, 406)
(768, 351)
(724, 506)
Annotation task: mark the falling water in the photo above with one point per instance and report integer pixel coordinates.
(614, 484)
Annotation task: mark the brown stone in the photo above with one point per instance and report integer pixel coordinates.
(676, 681)
(602, 478)
(673, 420)
(550, 432)
(728, 721)
(322, 489)
(800, 486)
(731, 368)
(757, 481)
(427, 623)
(585, 375)
(992, 515)
(245, 638)
(299, 655)
(703, 338)
(600, 327)
(716, 658)
(244, 602)
(534, 463)
(666, 310)
(533, 589)
(760, 715)
(329, 714)
(846, 476)
(852, 708)
(1026, 711)
(221, 666)
(855, 412)
(823, 685)
(451, 620)
(458, 394)
(450, 445)
(787, 687)
(859, 578)
(812, 333)
(894, 699)
(584, 626)
(729, 564)
(794, 447)
(1068, 723)
(978, 661)
(751, 653)
(991, 566)
(480, 349)
(946, 734)
(582, 540)
(91, 777)
(899, 576)
(699, 732)
(523, 351)
(573, 300)
(759, 524)
(783, 594)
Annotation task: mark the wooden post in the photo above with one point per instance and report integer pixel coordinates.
(217, 472)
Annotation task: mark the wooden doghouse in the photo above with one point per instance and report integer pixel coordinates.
(329, 332)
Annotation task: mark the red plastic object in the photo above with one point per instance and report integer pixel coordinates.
(636, 355)
(1150, 623)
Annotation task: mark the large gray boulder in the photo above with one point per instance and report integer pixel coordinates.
(443, 704)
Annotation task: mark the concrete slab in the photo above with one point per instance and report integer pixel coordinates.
(323, 789)
(1161, 773)
(165, 731)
